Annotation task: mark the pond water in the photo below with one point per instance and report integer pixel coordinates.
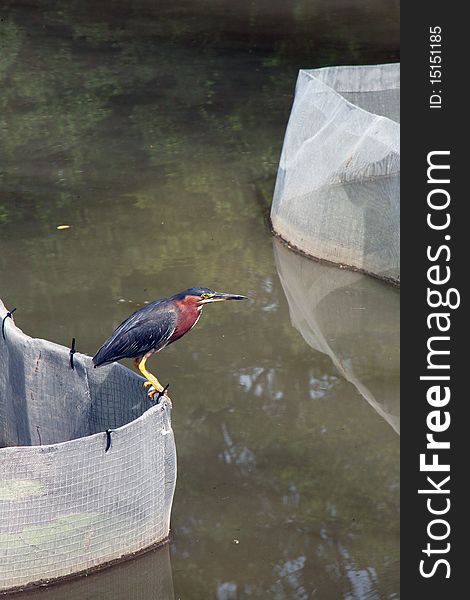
(154, 130)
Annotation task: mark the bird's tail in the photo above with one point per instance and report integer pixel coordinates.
(100, 358)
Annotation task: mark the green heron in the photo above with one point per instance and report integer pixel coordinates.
(155, 326)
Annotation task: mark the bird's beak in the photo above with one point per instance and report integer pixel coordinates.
(220, 297)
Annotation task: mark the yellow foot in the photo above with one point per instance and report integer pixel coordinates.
(151, 381)
(153, 390)
(147, 383)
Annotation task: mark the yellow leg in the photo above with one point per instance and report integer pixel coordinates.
(151, 379)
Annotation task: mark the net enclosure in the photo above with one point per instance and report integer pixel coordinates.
(337, 189)
(74, 496)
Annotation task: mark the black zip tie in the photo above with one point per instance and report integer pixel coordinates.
(72, 352)
(7, 316)
(162, 393)
(108, 439)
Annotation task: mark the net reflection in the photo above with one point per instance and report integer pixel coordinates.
(144, 577)
(352, 318)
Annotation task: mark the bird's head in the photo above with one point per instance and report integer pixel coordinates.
(201, 296)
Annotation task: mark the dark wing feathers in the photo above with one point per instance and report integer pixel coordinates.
(148, 329)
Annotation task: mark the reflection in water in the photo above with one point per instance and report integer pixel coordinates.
(154, 129)
(147, 577)
(352, 318)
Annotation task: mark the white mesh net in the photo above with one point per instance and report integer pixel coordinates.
(67, 504)
(337, 188)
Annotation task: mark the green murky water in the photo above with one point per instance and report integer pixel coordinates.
(154, 128)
